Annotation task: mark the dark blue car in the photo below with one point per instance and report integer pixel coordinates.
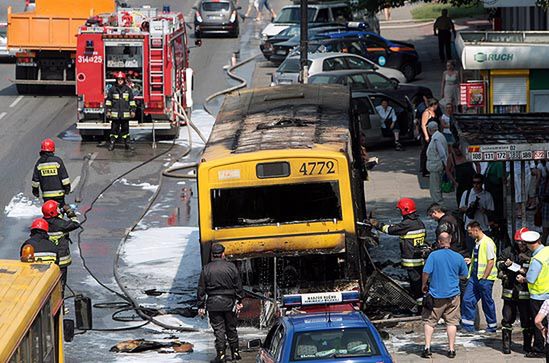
(387, 53)
(324, 336)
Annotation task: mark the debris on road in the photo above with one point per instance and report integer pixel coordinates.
(142, 345)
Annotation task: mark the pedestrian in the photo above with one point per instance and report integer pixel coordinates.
(528, 166)
(440, 281)
(482, 274)
(387, 11)
(411, 231)
(220, 293)
(515, 294)
(265, 4)
(121, 109)
(544, 197)
(460, 171)
(252, 5)
(448, 223)
(447, 124)
(45, 251)
(493, 183)
(50, 175)
(537, 278)
(58, 233)
(389, 121)
(437, 156)
(541, 324)
(430, 114)
(449, 88)
(443, 29)
(476, 203)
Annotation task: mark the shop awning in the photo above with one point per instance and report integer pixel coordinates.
(489, 50)
(510, 136)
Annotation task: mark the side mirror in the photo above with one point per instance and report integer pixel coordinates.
(254, 344)
(198, 42)
(395, 83)
(68, 330)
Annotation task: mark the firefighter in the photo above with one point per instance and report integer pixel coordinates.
(515, 294)
(220, 281)
(50, 175)
(44, 250)
(411, 231)
(120, 109)
(59, 229)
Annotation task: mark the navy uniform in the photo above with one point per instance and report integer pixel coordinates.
(50, 175)
(45, 251)
(121, 107)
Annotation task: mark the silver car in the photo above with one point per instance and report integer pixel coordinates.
(216, 17)
(288, 71)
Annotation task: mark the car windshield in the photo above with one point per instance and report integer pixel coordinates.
(292, 15)
(333, 343)
(291, 65)
(215, 6)
(272, 204)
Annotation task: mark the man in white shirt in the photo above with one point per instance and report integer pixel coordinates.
(437, 156)
(389, 121)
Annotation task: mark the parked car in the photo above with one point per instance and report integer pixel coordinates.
(373, 81)
(216, 17)
(323, 336)
(317, 13)
(288, 71)
(369, 121)
(388, 53)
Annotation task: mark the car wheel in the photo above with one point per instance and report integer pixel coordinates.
(408, 71)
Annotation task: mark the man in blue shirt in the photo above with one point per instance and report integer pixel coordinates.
(440, 279)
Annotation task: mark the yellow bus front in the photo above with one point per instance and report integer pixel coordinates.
(276, 203)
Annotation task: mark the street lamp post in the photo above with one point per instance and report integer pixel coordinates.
(303, 43)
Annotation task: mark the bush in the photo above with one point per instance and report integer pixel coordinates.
(432, 11)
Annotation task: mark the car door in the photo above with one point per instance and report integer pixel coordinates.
(376, 50)
(369, 121)
(403, 113)
(269, 350)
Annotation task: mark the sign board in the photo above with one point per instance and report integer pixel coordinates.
(520, 56)
(508, 152)
(507, 3)
(472, 94)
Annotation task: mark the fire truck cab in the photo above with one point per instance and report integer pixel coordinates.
(151, 47)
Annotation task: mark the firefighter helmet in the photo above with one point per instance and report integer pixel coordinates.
(120, 74)
(40, 223)
(47, 145)
(50, 209)
(406, 206)
(518, 234)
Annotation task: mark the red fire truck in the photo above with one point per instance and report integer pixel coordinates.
(151, 47)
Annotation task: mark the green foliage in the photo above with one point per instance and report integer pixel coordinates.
(377, 5)
(432, 11)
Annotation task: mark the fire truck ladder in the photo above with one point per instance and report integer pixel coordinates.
(156, 66)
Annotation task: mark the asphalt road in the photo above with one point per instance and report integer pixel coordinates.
(26, 120)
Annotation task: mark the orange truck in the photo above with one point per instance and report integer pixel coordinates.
(46, 40)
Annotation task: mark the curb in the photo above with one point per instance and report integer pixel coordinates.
(404, 26)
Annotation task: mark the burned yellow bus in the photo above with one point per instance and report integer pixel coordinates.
(281, 176)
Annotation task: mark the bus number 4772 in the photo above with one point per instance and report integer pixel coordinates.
(317, 168)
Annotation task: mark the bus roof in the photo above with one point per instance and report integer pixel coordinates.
(281, 118)
(24, 287)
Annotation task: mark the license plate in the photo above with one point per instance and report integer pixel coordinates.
(214, 17)
(281, 52)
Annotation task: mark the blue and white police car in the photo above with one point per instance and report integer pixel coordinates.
(328, 328)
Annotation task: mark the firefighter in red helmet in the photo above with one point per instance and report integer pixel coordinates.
(58, 232)
(50, 175)
(44, 250)
(121, 107)
(411, 231)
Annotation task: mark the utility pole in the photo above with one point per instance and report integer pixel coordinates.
(304, 41)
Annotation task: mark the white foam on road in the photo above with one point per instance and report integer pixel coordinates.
(144, 186)
(203, 122)
(22, 207)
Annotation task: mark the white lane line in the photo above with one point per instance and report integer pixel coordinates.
(2, 115)
(74, 183)
(17, 100)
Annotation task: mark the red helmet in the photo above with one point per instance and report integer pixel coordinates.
(41, 224)
(47, 145)
(120, 74)
(406, 206)
(50, 209)
(518, 233)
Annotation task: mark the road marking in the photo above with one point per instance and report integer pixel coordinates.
(74, 183)
(92, 158)
(2, 115)
(17, 100)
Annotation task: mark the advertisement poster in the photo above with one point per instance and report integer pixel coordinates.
(472, 94)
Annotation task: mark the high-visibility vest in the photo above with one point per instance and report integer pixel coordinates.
(541, 285)
(483, 259)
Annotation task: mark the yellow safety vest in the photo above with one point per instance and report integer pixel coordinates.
(483, 260)
(541, 285)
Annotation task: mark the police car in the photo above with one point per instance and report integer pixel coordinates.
(328, 329)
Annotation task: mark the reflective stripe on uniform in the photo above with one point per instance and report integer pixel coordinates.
(483, 260)
(53, 193)
(108, 103)
(125, 114)
(125, 96)
(125, 136)
(116, 96)
(35, 184)
(524, 295)
(66, 181)
(65, 261)
(412, 262)
(507, 293)
(493, 325)
(55, 236)
(48, 165)
(133, 104)
(114, 114)
(467, 322)
(47, 257)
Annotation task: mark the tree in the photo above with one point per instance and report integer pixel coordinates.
(377, 5)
